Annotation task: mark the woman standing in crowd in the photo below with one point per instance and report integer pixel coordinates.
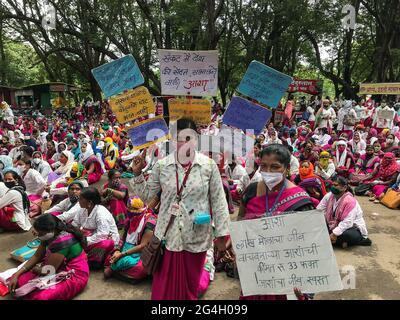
(98, 225)
(115, 196)
(274, 195)
(344, 216)
(187, 241)
(61, 248)
(325, 116)
(14, 203)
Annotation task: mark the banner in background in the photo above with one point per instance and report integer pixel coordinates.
(313, 87)
(380, 88)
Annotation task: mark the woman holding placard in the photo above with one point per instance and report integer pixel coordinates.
(274, 195)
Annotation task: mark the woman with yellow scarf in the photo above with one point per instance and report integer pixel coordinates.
(110, 153)
(325, 167)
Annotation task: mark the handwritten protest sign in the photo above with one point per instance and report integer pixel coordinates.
(189, 72)
(386, 114)
(264, 84)
(148, 132)
(385, 118)
(197, 109)
(132, 104)
(244, 114)
(119, 75)
(276, 254)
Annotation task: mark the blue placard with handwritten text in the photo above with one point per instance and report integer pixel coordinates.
(264, 84)
(119, 75)
(148, 132)
(244, 114)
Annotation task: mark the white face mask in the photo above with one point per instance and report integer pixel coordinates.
(21, 169)
(36, 161)
(272, 179)
(47, 236)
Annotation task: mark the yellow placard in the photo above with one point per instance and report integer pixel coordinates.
(197, 109)
(380, 88)
(132, 104)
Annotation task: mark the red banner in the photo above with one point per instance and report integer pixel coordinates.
(308, 86)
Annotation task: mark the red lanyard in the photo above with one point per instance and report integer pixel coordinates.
(180, 189)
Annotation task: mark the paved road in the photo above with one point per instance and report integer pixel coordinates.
(377, 268)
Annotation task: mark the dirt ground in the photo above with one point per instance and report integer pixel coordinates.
(377, 268)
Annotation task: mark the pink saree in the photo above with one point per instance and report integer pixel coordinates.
(70, 287)
(98, 172)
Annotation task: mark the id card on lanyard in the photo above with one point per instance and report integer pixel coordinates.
(268, 211)
(175, 208)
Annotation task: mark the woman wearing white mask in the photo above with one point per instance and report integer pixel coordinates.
(35, 185)
(40, 165)
(274, 195)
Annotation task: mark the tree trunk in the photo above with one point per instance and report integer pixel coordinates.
(2, 57)
(94, 88)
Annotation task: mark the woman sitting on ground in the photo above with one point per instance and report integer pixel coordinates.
(68, 208)
(61, 249)
(14, 203)
(34, 183)
(324, 167)
(274, 195)
(343, 159)
(344, 216)
(98, 224)
(91, 163)
(41, 165)
(125, 262)
(384, 178)
(59, 187)
(310, 182)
